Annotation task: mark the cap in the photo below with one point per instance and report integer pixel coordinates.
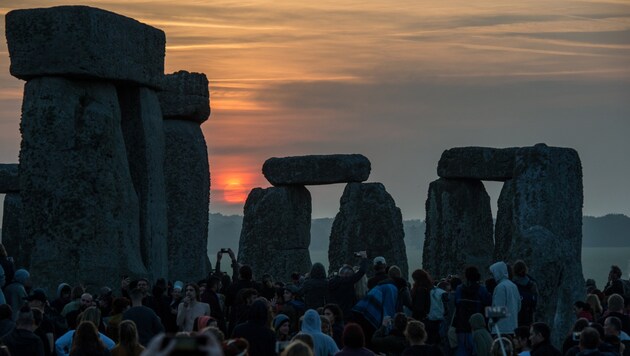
(380, 260)
(178, 285)
(279, 320)
(37, 294)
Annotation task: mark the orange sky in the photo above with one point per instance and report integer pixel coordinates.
(398, 81)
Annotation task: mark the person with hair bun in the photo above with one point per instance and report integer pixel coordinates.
(417, 336)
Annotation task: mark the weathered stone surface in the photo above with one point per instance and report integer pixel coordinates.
(12, 230)
(504, 226)
(481, 163)
(80, 211)
(368, 219)
(185, 96)
(317, 169)
(187, 178)
(543, 253)
(276, 231)
(9, 181)
(84, 42)
(458, 227)
(548, 192)
(144, 139)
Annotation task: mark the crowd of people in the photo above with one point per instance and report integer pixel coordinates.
(345, 313)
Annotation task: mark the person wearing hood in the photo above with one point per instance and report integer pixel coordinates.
(324, 344)
(63, 297)
(15, 292)
(506, 295)
(315, 288)
(262, 340)
(282, 327)
(482, 340)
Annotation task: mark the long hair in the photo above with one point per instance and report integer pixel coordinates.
(128, 336)
(422, 281)
(86, 340)
(92, 314)
(596, 306)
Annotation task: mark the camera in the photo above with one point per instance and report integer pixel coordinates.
(576, 336)
(225, 250)
(496, 312)
(186, 345)
(281, 345)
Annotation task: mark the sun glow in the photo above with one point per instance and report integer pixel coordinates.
(234, 192)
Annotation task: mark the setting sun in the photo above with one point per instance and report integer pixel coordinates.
(234, 192)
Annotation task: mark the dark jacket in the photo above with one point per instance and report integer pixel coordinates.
(422, 350)
(212, 299)
(378, 278)
(262, 340)
(625, 321)
(315, 288)
(545, 349)
(392, 343)
(24, 342)
(147, 323)
(342, 289)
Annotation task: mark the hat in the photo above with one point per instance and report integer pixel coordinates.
(279, 320)
(380, 260)
(178, 285)
(37, 294)
(21, 275)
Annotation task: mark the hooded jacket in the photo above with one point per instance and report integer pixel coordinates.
(312, 325)
(505, 295)
(482, 340)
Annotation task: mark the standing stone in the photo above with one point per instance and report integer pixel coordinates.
(185, 104)
(317, 169)
(458, 227)
(481, 163)
(368, 219)
(9, 180)
(80, 211)
(12, 229)
(504, 226)
(276, 231)
(187, 178)
(542, 251)
(144, 139)
(84, 42)
(548, 192)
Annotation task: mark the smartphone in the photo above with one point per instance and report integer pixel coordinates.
(225, 250)
(186, 345)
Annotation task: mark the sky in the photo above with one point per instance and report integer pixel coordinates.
(397, 81)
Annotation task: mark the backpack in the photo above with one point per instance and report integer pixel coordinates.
(529, 300)
(436, 311)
